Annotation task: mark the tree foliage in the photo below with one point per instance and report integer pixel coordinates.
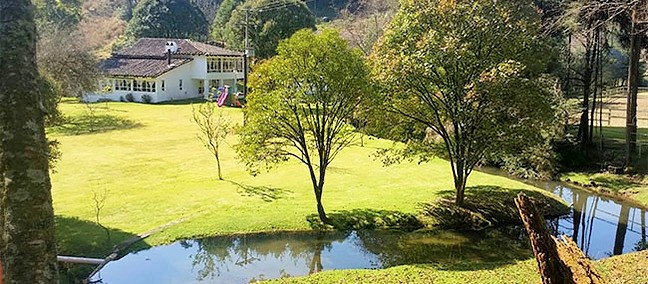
(299, 105)
(27, 241)
(269, 21)
(59, 13)
(363, 21)
(469, 73)
(66, 60)
(169, 19)
(221, 18)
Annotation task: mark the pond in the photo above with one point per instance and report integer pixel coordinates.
(245, 258)
(600, 226)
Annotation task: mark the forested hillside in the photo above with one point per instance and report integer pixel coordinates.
(104, 22)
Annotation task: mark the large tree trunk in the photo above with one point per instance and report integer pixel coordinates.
(633, 85)
(28, 247)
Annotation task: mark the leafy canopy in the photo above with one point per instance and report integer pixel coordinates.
(168, 18)
(468, 72)
(269, 21)
(223, 15)
(300, 103)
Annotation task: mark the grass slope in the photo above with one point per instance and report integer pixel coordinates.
(154, 170)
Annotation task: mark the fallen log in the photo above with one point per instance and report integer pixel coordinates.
(559, 261)
(552, 269)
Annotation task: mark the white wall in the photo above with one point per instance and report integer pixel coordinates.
(172, 78)
(188, 73)
(199, 68)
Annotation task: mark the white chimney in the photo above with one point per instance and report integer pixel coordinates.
(171, 46)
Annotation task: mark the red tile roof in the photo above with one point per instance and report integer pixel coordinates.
(147, 57)
(139, 67)
(157, 47)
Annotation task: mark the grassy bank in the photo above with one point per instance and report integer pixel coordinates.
(633, 188)
(630, 268)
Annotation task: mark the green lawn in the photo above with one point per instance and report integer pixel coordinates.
(631, 187)
(625, 269)
(154, 171)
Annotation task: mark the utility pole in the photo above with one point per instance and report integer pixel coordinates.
(245, 54)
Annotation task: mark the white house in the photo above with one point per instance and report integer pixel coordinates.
(160, 69)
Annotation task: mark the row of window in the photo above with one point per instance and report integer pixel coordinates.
(224, 65)
(134, 85)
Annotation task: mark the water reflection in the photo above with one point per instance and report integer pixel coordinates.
(240, 259)
(225, 257)
(600, 226)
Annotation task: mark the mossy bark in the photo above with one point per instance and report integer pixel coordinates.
(28, 247)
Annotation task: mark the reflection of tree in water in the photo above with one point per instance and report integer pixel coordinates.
(215, 255)
(582, 219)
(642, 244)
(445, 248)
(622, 228)
(584, 215)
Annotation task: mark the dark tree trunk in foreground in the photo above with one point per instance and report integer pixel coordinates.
(633, 84)
(28, 247)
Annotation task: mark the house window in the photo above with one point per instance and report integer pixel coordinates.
(148, 86)
(180, 84)
(239, 65)
(123, 85)
(162, 86)
(143, 86)
(213, 65)
(229, 64)
(137, 86)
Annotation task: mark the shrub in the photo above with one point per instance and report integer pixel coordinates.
(147, 99)
(121, 99)
(130, 98)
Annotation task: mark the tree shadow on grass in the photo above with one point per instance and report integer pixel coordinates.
(98, 123)
(266, 193)
(486, 207)
(367, 219)
(76, 237)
